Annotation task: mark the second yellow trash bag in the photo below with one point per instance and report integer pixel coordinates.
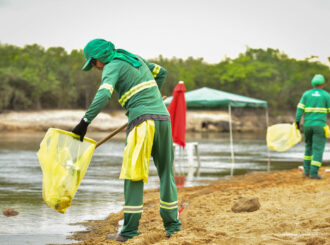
(64, 161)
(138, 151)
(326, 131)
(281, 137)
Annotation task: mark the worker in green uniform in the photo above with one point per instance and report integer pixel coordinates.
(314, 105)
(137, 83)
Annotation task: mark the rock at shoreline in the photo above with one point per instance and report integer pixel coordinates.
(246, 204)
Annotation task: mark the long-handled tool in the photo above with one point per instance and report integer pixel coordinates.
(116, 131)
(113, 133)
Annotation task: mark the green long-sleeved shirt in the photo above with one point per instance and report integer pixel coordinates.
(314, 105)
(138, 89)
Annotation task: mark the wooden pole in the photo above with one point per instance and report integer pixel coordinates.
(111, 135)
(115, 132)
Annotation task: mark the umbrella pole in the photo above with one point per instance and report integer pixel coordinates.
(231, 142)
(268, 152)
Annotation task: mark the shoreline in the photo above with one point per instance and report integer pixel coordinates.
(294, 210)
(196, 120)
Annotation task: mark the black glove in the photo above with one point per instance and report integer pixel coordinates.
(298, 125)
(81, 129)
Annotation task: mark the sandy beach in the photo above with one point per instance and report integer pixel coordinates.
(293, 210)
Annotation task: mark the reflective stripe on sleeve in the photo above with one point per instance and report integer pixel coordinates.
(301, 106)
(107, 86)
(168, 205)
(133, 209)
(156, 70)
(135, 90)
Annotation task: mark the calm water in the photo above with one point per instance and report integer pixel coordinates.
(100, 192)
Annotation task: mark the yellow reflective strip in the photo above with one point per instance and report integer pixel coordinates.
(315, 109)
(133, 209)
(135, 90)
(156, 70)
(133, 206)
(301, 106)
(133, 212)
(106, 86)
(169, 203)
(174, 207)
(315, 163)
(307, 157)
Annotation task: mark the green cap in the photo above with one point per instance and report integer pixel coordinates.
(96, 49)
(318, 79)
(87, 65)
(105, 52)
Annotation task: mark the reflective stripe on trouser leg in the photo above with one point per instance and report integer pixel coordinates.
(308, 132)
(162, 153)
(319, 141)
(133, 208)
(316, 163)
(307, 164)
(318, 144)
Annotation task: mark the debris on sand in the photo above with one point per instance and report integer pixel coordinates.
(10, 212)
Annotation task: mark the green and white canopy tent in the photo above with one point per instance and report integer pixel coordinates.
(208, 98)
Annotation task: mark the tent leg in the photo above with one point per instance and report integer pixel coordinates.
(231, 143)
(198, 161)
(268, 152)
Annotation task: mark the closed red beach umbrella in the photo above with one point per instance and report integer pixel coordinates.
(177, 109)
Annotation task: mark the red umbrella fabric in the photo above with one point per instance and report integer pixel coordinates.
(177, 109)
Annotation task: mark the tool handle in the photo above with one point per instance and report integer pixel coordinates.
(113, 133)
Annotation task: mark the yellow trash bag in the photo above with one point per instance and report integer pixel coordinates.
(281, 137)
(137, 152)
(64, 161)
(326, 131)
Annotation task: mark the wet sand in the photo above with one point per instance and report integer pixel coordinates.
(294, 210)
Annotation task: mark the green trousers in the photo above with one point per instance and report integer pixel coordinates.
(314, 147)
(162, 153)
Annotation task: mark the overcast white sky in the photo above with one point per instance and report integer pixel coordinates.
(211, 29)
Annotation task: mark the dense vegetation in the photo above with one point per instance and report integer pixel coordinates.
(36, 78)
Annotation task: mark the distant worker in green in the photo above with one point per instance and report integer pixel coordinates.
(137, 82)
(314, 105)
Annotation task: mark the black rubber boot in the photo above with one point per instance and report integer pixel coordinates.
(316, 177)
(314, 172)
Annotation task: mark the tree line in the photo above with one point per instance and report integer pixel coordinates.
(33, 78)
